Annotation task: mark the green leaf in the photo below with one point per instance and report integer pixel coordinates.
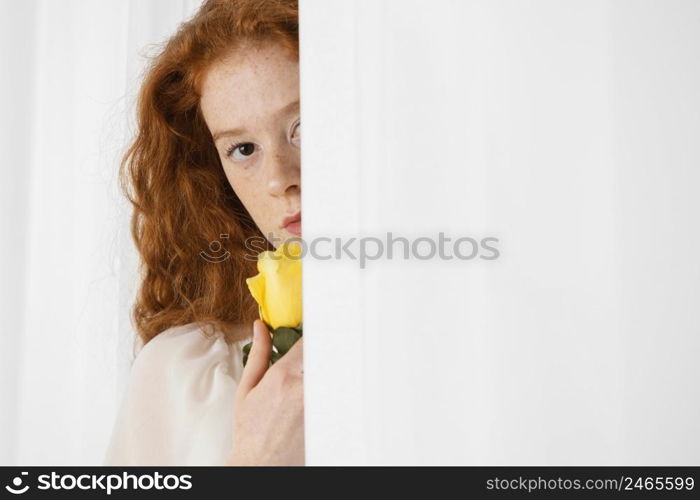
(284, 338)
(246, 351)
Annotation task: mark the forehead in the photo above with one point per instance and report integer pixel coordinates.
(249, 84)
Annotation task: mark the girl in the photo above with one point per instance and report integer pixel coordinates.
(214, 166)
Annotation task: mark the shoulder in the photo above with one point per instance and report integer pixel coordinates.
(187, 350)
(178, 405)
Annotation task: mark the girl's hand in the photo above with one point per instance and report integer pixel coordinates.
(268, 422)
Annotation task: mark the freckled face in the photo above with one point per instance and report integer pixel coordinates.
(250, 102)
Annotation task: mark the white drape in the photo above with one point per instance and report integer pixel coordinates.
(70, 73)
(568, 130)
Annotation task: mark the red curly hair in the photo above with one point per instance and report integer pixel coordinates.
(173, 177)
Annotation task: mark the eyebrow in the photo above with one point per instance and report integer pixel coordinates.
(238, 131)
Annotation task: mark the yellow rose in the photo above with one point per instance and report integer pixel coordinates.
(277, 286)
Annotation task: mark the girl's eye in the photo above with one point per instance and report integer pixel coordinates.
(241, 151)
(296, 134)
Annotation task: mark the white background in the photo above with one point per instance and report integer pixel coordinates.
(568, 129)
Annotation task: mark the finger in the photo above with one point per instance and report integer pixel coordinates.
(295, 356)
(258, 359)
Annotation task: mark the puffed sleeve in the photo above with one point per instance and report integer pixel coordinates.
(178, 406)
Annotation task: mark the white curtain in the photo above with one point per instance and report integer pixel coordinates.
(70, 72)
(569, 131)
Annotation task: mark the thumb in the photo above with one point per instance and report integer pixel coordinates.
(258, 359)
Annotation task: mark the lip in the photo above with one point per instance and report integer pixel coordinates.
(292, 223)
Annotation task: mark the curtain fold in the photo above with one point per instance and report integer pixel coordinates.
(71, 71)
(566, 130)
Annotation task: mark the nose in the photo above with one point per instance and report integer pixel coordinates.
(283, 168)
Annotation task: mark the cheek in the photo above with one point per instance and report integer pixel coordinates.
(251, 194)
(242, 185)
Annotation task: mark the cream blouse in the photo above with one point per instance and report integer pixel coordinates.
(178, 406)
